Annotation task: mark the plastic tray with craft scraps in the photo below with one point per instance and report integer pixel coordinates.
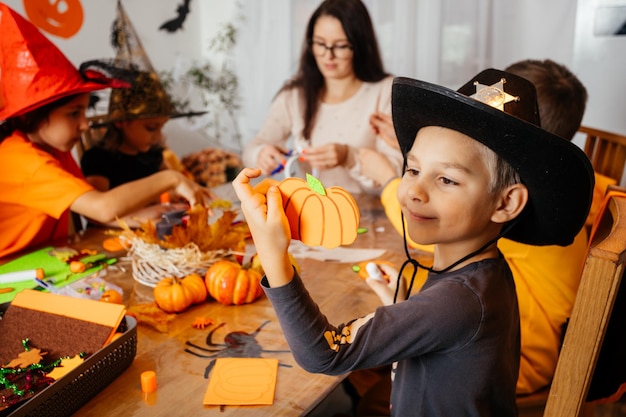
(72, 391)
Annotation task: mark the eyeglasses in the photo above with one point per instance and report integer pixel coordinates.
(338, 51)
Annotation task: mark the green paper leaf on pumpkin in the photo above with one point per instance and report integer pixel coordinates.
(315, 184)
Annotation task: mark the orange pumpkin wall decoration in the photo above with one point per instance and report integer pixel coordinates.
(230, 283)
(59, 18)
(319, 216)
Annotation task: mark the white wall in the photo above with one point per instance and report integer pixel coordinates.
(558, 29)
(600, 62)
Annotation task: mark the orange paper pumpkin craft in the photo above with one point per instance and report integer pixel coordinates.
(319, 216)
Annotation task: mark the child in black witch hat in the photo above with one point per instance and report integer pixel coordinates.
(477, 168)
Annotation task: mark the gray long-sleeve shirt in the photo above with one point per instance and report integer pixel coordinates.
(455, 344)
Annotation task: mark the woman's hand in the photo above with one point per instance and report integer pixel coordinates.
(270, 157)
(382, 125)
(386, 290)
(268, 225)
(326, 156)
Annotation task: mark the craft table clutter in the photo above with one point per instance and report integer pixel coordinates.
(183, 354)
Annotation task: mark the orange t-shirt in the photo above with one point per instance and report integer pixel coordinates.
(36, 191)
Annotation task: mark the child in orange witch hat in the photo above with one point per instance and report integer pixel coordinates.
(43, 99)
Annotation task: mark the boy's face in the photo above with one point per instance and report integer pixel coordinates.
(444, 192)
(141, 134)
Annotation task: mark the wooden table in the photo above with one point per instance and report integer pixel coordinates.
(341, 294)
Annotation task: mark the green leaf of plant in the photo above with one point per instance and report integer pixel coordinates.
(315, 184)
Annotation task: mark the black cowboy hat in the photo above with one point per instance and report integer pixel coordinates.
(499, 110)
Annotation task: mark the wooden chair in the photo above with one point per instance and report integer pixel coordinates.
(606, 150)
(600, 282)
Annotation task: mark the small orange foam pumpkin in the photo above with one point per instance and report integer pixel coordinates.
(230, 283)
(319, 216)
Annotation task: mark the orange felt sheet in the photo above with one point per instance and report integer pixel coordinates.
(105, 314)
(242, 381)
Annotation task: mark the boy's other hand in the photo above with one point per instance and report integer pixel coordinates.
(386, 290)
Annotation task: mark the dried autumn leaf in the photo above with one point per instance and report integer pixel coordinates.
(219, 235)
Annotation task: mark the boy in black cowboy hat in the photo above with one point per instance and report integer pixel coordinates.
(477, 168)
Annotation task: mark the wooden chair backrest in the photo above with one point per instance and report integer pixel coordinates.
(600, 281)
(606, 150)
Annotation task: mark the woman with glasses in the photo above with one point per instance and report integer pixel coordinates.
(326, 107)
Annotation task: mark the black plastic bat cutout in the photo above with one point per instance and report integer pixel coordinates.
(177, 23)
(236, 345)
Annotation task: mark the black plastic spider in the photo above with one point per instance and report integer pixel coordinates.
(236, 345)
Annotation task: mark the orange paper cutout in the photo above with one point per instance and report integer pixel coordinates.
(67, 365)
(242, 381)
(319, 216)
(27, 358)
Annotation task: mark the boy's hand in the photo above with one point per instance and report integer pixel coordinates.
(268, 225)
(386, 290)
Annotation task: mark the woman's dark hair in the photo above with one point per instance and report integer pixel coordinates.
(366, 59)
(30, 121)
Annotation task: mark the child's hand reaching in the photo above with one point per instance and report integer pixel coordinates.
(193, 192)
(386, 290)
(268, 225)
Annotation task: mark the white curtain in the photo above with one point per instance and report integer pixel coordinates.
(440, 41)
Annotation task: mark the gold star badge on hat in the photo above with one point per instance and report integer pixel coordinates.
(493, 95)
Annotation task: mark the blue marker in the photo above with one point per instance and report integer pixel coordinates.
(277, 169)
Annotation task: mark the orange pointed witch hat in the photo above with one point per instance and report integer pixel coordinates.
(33, 71)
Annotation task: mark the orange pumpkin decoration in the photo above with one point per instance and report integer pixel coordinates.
(59, 18)
(319, 216)
(195, 283)
(230, 283)
(174, 295)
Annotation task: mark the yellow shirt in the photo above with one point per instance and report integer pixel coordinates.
(546, 279)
